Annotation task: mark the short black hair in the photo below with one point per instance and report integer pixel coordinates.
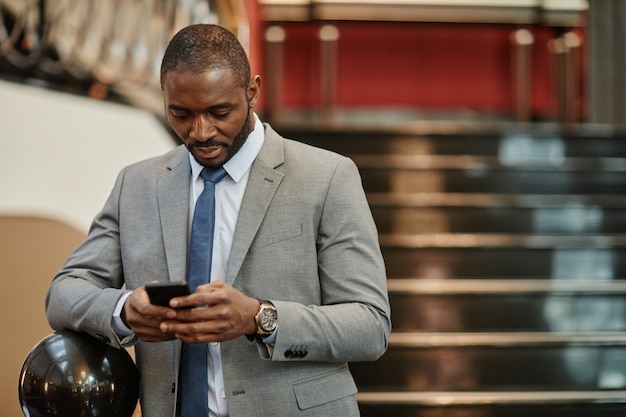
(201, 47)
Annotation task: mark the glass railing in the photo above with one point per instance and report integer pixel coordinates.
(114, 45)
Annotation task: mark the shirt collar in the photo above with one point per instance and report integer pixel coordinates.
(240, 163)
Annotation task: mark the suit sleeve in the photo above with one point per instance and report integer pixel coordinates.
(83, 294)
(352, 323)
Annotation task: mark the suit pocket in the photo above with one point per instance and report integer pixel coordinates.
(324, 388)
(286, 232)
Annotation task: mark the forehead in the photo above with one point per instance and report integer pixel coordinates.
(202, 88)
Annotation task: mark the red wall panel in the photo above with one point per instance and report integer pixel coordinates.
(438, 67)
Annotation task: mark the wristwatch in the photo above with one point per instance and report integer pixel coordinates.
(266, 320)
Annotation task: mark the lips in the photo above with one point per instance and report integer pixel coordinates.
(207, 152)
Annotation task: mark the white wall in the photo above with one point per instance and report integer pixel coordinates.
(60, 153)
(59, 157)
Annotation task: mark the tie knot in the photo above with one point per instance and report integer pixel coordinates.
(215, 175)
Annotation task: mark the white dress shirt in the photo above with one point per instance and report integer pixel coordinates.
(228, 197)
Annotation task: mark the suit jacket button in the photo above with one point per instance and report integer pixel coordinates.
(289, 353)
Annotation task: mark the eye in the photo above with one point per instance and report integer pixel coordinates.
(180, 115)
(221, 114)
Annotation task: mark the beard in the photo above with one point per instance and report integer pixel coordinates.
(240, 139)
(233, 148)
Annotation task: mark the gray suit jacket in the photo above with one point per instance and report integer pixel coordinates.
(305, 239)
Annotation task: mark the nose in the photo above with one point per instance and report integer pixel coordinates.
(203, 128)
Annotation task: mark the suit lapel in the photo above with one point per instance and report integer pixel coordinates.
(262, 185)
(173, 198)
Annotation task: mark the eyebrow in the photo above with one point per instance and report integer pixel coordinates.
(219, 106)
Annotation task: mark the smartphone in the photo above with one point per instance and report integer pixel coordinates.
(161, 293)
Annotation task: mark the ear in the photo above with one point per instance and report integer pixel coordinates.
(254, 90)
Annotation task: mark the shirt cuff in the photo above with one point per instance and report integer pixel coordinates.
(271, 339)
(121, 330)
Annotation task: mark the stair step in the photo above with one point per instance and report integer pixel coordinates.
(523, 361)
(457, 139)
(499, 240)
(488, 163)
(490, 200)
(503, 286)
(430, 213)
(584, 408)
(452, 398)
(426, 340)
(464, 260)
(454, 305)
(514, 220)
(498, 181)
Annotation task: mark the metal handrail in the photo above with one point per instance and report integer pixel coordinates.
(564, 13)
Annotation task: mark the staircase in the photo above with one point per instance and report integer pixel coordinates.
(506, 259)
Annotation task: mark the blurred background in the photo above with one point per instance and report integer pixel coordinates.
(490, 135)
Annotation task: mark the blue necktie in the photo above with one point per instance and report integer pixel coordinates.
(193, 364)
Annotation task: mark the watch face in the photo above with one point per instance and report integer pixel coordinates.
(267, 319)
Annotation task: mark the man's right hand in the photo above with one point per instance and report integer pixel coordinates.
(144, 319)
